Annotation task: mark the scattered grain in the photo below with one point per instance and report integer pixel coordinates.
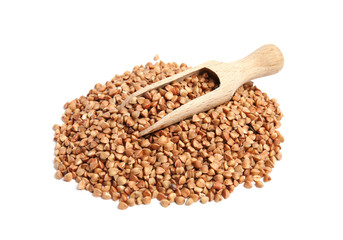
(204, 157)
(165, 203)
(122, 206)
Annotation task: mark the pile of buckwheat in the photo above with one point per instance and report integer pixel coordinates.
(203, 158)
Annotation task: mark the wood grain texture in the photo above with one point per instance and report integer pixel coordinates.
(265, 61)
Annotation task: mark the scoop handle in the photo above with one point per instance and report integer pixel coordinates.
(265, 61)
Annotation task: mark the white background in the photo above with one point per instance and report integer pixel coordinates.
(54, 51)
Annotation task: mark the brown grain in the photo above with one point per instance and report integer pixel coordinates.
(204, 157)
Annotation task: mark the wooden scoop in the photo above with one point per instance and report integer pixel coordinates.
(265, 61)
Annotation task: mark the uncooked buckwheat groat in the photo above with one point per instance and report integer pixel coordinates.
(203, 158)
